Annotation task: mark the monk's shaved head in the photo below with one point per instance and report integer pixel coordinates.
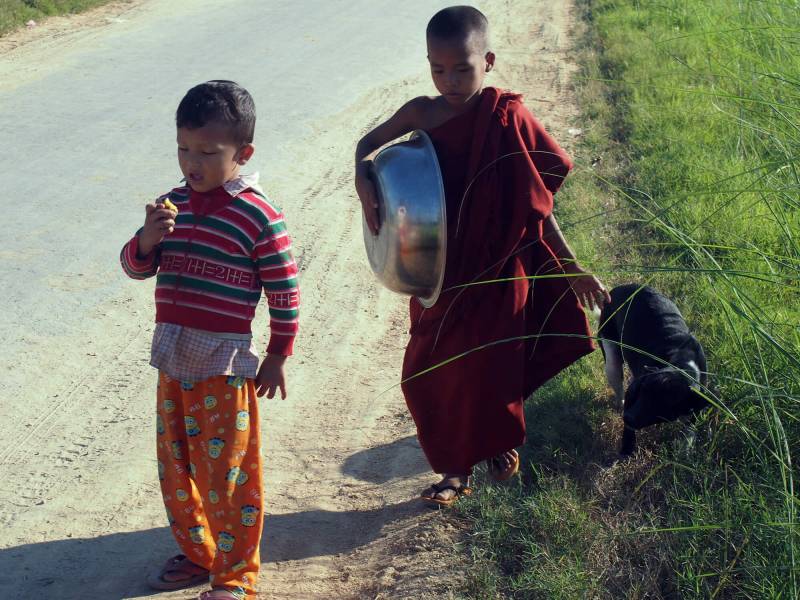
(460, 24)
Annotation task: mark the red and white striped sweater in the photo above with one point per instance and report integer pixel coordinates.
(211, 269)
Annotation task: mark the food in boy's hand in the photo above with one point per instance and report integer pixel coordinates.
(167, 204)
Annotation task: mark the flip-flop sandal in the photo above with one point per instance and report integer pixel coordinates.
(219, 594)
(461, 490)
(506, 473)
(178, 564)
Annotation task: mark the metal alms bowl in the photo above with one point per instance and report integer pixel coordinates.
(408, 254)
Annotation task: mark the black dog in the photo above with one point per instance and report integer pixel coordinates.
(644, 329)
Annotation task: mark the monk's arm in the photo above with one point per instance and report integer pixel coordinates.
(401, 122)
(586, 286)
(398, 124)
(552, 234)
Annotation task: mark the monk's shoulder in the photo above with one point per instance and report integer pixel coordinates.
(515, 110)
(421, 111)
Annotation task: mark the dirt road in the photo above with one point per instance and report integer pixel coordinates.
(86, 118)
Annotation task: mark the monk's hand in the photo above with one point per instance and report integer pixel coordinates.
(368, 196)
(270, 376)
(588, 288)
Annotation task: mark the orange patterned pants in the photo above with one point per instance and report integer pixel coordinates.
(209, 465)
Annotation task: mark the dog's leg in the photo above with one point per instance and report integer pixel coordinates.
(628, 444)
(613, 356)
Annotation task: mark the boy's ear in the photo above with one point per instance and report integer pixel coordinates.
(245, 153)
(489, 61)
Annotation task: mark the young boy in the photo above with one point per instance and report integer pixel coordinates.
(500, 171)
(213, 244)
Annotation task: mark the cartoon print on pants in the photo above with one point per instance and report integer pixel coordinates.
(193, 470)
(213, 496)
(242, 420)
(237, 382)
(249, 515)
(159, 425)
(169, 405)
(215, 446)
(177, 453)
(242, 478)
(187, 386)
(197, 534)
(181, 495)
(232, 474)
(161, 471)
(239, 566)
(210, 402)
(192, 428)
(225, 541)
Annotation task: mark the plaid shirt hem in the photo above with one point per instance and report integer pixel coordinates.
(191, 355)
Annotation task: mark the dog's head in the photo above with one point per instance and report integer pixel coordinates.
(660, 396)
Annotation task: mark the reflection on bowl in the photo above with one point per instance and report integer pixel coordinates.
(408, 254)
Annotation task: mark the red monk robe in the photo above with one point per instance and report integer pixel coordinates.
(471, 409)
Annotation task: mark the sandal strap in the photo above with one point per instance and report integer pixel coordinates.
(181, 563)
(443, 488)
(207, 595)
(461, 490)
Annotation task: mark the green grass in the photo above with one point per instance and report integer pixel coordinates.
(694, 111)
(15, 13)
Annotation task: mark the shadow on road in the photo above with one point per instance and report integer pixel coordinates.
(399, 459)
(114, 566)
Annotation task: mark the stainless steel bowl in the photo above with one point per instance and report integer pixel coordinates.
(408, 254)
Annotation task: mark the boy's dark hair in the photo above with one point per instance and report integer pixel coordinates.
(458, 23)
(219, 101)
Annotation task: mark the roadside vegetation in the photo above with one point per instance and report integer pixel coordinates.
(688, 179)
(16, 13)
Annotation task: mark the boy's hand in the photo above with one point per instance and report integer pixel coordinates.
(159, 222)
(270, 376)
(368, 196)
(591, 293)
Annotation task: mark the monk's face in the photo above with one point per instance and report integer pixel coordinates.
(458, 67)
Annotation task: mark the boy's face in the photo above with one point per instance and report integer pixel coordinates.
(208, 156)
(458, 67)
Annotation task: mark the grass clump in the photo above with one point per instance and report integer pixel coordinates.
(15, 13)
(692, 119)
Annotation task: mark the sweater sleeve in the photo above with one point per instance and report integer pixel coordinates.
(278, 272)
(135, 267)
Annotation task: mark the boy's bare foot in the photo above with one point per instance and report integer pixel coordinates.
(448, 490)
(503, 466)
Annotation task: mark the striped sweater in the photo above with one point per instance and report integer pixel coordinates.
(226, 247)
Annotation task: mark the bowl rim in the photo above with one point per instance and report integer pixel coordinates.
(431, 299)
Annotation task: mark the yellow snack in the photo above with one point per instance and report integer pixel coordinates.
(169, 205)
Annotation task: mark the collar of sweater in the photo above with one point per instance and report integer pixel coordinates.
(206, 203)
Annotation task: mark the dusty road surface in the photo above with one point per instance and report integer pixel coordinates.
(86, 121)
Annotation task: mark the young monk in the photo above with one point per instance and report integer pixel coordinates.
(500, 171)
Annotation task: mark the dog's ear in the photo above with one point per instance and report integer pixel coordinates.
(696, 390)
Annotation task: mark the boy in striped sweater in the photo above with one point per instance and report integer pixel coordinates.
(213, 245)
